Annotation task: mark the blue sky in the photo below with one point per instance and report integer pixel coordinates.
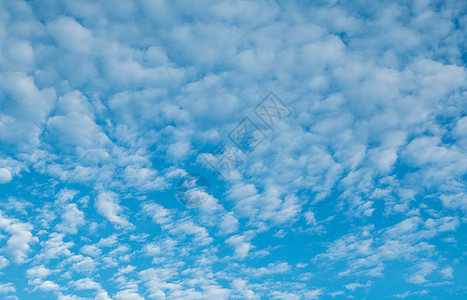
(330, 136)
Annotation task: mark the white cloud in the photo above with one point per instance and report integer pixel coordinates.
(241, 245)
(86, 284)
(3, 262)
(108, 241)
(447, 272)
(72, 219)
(102, 295)
(270, 269)
(423, 269)
(159, 214)
(366, 253)
(107, 205)
(55, 248)
(6, 288)
(5, 175)
(241, 287)
(128, 295)
(185, 227)
(151, 249)
(114, 102)
(353, 286)
(70, 35)
(126, 270)
(69, 297)
(21, 122)
(38, 272)
(229, 224)
(48, 286)
(91, 250)
(18, 244)
(80, 264)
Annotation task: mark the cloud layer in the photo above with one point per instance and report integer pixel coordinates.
(354, 178)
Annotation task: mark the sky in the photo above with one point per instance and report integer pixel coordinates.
(268, 149)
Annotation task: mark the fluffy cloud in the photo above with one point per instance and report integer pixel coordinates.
(107, 205)
(19, 243)
(5, 175)
(72, 218)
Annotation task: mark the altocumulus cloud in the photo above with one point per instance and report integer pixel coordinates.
(358, 191)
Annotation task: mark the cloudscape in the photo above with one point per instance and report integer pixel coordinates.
(268, 149)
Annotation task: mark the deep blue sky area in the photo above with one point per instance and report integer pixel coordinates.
(156, 149)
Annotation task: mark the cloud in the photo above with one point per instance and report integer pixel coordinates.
(5, 175)
(24, 114)
(70, 35)
(159, 214)
(6, 288)
(423, 269)
(107, 205)
(80, 264)
(271, 269)
(39, 272)
(353, 286)
(115, 101)
(447, 273)
(366, 254)
(128, 295)
(48, 286)
(199, 233)
(54, 248)
(241, 245)
(72, 218)
(3, 262)
(86, 284)
(73, 128)
(241, 287)
(229, 224)
(91, 250)
(19, 243)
